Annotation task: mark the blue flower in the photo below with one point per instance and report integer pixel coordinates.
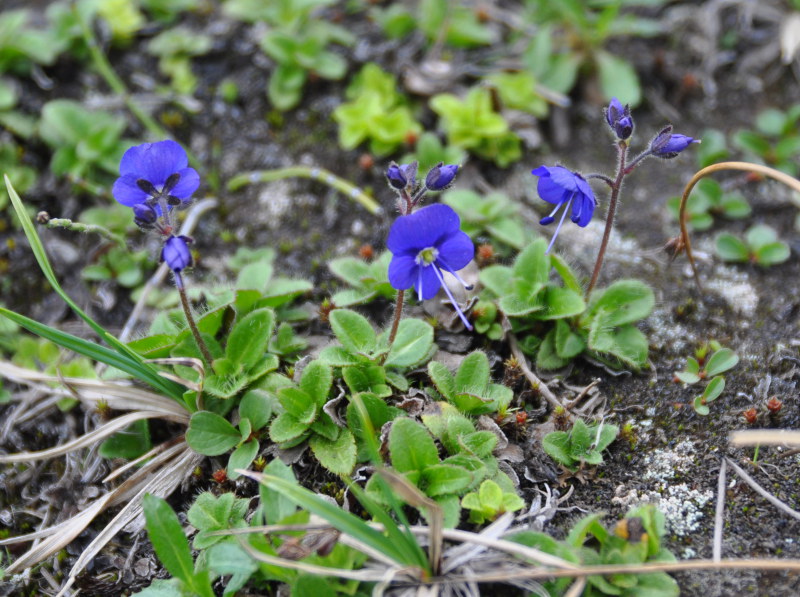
(152, 172)
(563, 187)
(425, 243)
(619, 119)
(176, 255)
(667, 146)
(440, 176)
(402, 176)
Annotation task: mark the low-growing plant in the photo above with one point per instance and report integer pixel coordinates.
(470, 389)
(705, 367)
(376, 112)
(489, 502)
(760, 245)
(710, 200)
(368, 281)
(775, 140)
(175, 48)
(580, 446)
(494, 214)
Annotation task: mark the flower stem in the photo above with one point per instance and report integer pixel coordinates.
(398, 314)
(190, 320)
(86, 228)
(612, 208)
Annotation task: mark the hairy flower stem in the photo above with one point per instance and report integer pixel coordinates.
(398, 314)
(190, 320)
(622, 147)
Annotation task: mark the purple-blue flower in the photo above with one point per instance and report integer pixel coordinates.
(154, 171)
(667, 145)
(440, 176)
(401, 176)
(425, 243)
(176, 255)
(565, 188)
(619, 119)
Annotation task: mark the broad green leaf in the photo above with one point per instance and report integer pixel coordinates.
(772, 253)
(568, 344)
(339, 455)
(497, 278)
(242, 457)
(166, 535)
(480, 443)
(618, 79)
(719, 362)
(531, 269)
(760, 235)
(210, 512)
(367, 378)
(491, 496)
(275, 505)
(714, 388)
(254, 276)
(411, 446)
(299, 404)
(559, 303)
(566, 273)
(256, 405)
(230, 559)
(625, 301)
(442, 479)
(700, 406)
(316, 381)
(412, 345)
(608, 433)
(514, 305)
(338, 356)
(129, 443)
(731, 248)
(547, 356)
(249, 337)
(556, 445)
(630, 345)
(211, 434)
(473, 374)
(353, 330)
(286, 428)
(154, 347)
(442, 378)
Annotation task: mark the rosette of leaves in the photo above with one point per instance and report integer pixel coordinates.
(174, 48)
(376, 111)
(489, 502)
(722, 360)
(470, 389)
(708, 200)
(581, 445)
(22, 46)
(518, 92)
(775, 140)
(635, 540)
(493, 214)
(367, 280)
(303, 418)
(413, 453)
(367, 362)
(299, 44)
(473, 124)
(761, 246)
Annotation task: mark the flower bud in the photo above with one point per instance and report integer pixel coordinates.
(440, 176)
(401, 176)
(619, 119)
(176, 253)
(667, 145)
(144, 215)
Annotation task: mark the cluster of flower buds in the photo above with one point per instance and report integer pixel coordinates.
(403, 181)
(154, 179)
(619, 119)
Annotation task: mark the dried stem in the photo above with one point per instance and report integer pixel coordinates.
(686, 244)
(612, 208)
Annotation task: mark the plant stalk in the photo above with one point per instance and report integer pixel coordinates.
(398, 314)
(612, 208)
(190, 320)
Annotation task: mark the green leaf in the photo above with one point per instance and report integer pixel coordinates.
(412, 345)
(547, 356)
(211, 434)
(242, 457)
(559, 303)
(226, 559)
(339, 455)
(129, 443)
(714, 388)
(491, 495)
(514, 305)
(411, 446)
(154, 347)
(531, 269)
(442, 479)
(480, 443)
(760, 235)
(249, 337)
(442, 378)
(316, 381)
(772, 253)
(473, 373)
(700, 407)
(618, 79)
(275, 505)
(625, 301)
(731, 248)
(567, 343)
(299, 404)
(338, 356)
(498, 279)
(719, 362)
(169, 542)
(254, 276)
(353, 331)
(556, 445)
(256, 405)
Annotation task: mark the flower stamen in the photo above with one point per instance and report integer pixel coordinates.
(452, 299)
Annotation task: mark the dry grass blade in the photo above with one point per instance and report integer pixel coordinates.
(761, 491)
(92, 391)
(764, 437)
(161, 483)
(86, 440)
(58, 536)
(193, 363)
(720, 512)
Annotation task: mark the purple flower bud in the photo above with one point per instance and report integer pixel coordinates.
(176, 253)
(619, 119)
(144, 215)
(440, 176)
(667, 145)
(401, 176)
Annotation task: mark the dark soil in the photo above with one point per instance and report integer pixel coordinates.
(672, 453)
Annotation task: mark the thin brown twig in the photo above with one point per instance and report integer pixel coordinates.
(780, 505)
(745, 166)
(537, 383)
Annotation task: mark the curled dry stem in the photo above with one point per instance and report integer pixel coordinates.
(685, 242)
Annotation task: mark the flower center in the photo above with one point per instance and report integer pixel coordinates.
(427, 256)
